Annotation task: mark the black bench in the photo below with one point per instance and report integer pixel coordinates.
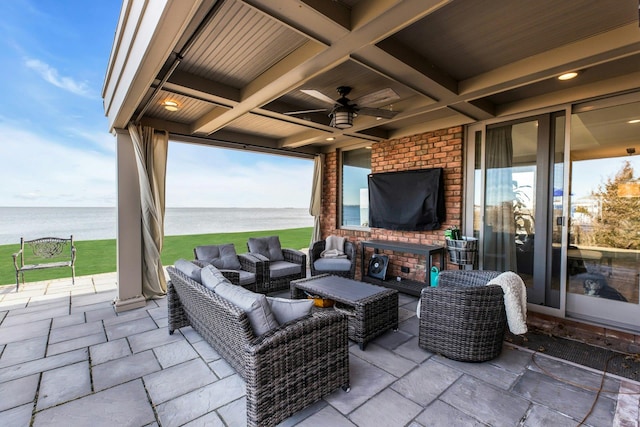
(44, 252)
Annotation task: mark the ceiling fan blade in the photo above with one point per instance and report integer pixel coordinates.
(318, 95)
(381, 97)
(377, 112)
(317, 110)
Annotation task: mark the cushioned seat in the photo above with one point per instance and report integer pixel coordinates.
(282, 264)
(344, 267)
(242, 269)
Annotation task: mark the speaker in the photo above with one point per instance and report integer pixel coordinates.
(378, 266)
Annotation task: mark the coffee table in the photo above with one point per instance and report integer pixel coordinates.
(371, 309)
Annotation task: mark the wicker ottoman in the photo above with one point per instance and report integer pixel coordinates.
(371, 310)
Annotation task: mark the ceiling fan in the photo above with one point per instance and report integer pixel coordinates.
(344, 109)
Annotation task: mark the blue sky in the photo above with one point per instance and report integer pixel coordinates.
(55, 148)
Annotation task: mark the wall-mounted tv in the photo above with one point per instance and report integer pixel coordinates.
(407, 200)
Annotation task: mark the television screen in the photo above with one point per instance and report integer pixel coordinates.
(407, 200)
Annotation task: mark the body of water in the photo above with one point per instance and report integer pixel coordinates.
(100, 223)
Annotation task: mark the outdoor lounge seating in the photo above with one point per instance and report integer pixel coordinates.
(463, 318)
(284, 264)
(240, 269)
(285, 368)
(345, 267)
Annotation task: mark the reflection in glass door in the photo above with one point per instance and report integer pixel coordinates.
(522, 216)
(603, 257)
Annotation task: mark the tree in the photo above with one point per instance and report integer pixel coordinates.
(618, 218)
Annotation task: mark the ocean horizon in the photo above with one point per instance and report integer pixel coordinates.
(99, 223)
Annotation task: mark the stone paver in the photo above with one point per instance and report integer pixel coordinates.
(386, 409)
(111, 350)
(18, 392)
(127, 370)
(122, 405)
(177, 380)
(64, 384)
(119, 371)
(23, 351)
(490, 405)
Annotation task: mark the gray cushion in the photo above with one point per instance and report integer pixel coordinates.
(255, 305)
(267, 246)
(246, 278)
(212, 277)
(285, 310)
(332, 264)
(221, 256)
(188, 268)
(283, 268)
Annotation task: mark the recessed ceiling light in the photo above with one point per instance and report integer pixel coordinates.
(568, 76)
(170, 105)
(331, 138)
(634, 121)
(368, 147)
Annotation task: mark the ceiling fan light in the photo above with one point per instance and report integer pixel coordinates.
(342, 118)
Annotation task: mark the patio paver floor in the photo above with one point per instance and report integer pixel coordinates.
(66, 358)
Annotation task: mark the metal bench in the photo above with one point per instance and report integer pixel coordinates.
(44, 252)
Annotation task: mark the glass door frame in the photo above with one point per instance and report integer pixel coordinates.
(476, 132)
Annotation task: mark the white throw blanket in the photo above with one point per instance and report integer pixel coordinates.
(334, 247)
(515, 300)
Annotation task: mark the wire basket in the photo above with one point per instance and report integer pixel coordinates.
(464, 251)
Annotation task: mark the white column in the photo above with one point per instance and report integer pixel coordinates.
(129, 234)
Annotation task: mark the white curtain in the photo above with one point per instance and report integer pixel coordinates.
(499, 220)
(151, 149)
(315, 208)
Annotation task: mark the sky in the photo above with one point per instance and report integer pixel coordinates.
(55, 145)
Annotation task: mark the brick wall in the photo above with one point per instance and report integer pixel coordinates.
(439, 149)
(442, 148)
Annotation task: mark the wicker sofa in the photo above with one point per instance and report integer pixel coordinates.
(462, 318)
(285, 369)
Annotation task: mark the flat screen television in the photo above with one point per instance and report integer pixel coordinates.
(407, 200)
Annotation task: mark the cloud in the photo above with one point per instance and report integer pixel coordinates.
(44, 170)
(40, 171)
(52, 76)
(213, 177)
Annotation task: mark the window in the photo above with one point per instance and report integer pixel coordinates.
(356, 167)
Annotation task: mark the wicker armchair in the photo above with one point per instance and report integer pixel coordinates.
(247, 271)
(463, 319)
(337, 267)
(282, 265)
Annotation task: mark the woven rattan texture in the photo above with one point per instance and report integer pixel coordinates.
(463, 319)
(368, 317)
(285, 370)
(272, 284)
(349, 250)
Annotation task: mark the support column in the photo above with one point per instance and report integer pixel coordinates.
(129, 233)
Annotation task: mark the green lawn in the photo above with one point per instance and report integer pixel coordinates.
(99, 256)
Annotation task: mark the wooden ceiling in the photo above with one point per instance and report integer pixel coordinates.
(236, 67)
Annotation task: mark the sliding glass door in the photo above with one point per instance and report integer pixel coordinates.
(603, 257)
(567, 223)
(521, 221)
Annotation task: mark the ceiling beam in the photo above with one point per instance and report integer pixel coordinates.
(614, 44)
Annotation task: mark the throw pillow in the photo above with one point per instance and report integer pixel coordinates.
(221, 256)
(212, 277)
(285, 310)
(188, 268)
(255, 305)
(267, 246)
